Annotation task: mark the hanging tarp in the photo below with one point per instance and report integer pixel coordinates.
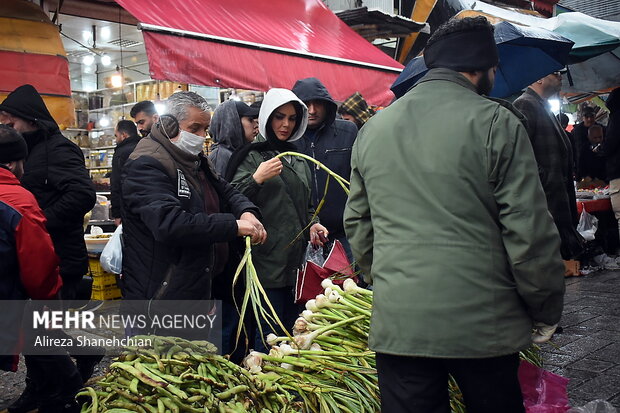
(260, 44)
(31, 52)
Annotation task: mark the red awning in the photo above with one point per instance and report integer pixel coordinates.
(260, 44)
(48, 74)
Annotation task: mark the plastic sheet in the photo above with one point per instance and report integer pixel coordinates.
(596, 406)
(112, 255)
(588, 225)
(543, 391)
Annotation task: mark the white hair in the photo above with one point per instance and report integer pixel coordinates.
(178, 103)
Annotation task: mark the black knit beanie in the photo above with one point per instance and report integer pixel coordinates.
(12, 146)
(465, 50)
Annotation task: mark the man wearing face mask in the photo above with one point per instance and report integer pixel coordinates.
(178, 215)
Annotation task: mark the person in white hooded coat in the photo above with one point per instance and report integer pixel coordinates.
(280, 187)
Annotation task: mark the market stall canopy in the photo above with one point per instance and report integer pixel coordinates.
(373, 23)
(525, 55)
(259, 45)
(594, 63)
(31, 52)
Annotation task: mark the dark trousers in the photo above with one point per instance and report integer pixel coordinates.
(50, 373)
(420, 384)
(55, 378)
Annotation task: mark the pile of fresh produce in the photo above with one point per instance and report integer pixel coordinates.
(327, 362)
(325, 366)
(178, 375)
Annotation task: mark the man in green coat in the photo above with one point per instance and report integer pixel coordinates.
(448, 217)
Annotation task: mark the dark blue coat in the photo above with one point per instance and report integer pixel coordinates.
(331, 145)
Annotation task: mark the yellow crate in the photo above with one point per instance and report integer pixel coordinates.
(95, 267)
(110, 293)
(101, 282)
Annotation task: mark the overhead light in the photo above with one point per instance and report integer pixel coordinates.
(160, 108)
(104, 122)
(106, 60)
(117, 78)
(88, 60)
(87, 35)
(105, 32)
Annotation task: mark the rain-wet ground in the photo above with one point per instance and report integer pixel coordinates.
(588, 350)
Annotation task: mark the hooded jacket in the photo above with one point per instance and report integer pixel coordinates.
(55, 173)
(121, 154)
(331, 145)
(356, 106)
(284, 200)
(612, 135)
(28, 264)
(168, 235)
(227, 133)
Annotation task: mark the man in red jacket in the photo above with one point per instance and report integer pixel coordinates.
(29, 269)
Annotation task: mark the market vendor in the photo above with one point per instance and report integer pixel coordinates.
(592, 164)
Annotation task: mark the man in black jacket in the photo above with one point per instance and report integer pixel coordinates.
(57, 176)
(178, 215)
(592, 159)
(55, 173)
(579, 133)
(329, 141)
(127, 138)
(145, 115)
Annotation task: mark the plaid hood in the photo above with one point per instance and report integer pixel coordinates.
(356, 106)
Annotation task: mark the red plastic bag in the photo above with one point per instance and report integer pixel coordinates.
(543, 391)
(317, 267)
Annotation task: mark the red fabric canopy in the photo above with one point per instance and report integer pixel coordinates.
(48, 74)
(260, 44)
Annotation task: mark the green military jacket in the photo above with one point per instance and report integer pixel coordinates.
(448, 217)
(278, 259)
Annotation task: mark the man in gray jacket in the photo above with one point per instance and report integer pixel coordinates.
(448, 218)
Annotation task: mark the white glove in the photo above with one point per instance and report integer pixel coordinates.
(542, 332)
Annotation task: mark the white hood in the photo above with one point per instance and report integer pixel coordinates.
(275, 98)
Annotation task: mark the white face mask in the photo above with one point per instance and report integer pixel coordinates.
(190, 143)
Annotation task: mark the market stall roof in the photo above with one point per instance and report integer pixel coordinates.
(595, 58)
(373, 23)
(259, 45)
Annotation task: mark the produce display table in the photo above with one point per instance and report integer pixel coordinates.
(607, 232)
(594, 205)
